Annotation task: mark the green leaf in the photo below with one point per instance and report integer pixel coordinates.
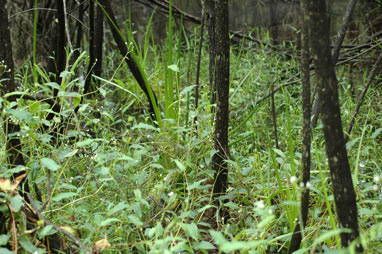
(3, 240)
(180, 165)
(35, 106)
(47, 230)
(232, 246)
(376, 133)
(103, 171)
(145, 126)
(76, 101)
(135, 220)
(137, 194)
(50, 164)
(190, 229)
(21, 114)
(5, 251)
(54, 85)
(196, 185)
(107, 222)
(27, 245)
(119, 207)
(203, 245)
(218, 237)
(16, 203)
(68, 94)
(174, 67)
(64, 195)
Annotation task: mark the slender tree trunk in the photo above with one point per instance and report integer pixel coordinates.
(344, 195)
(98, 41)
(131, 62)
(13, 144)
(211, 21)
(306, 132)
(221, 34)
(92, 58)
(336, 52)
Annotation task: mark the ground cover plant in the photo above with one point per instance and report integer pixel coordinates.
(106, 176)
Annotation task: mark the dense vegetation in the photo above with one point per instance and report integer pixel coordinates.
(121, 184)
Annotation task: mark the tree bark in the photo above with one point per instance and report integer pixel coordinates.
(211, 23)
(13, 144)
(221, 34)
(133, 66)
(306, 132)
(344, 195)
(336, 52)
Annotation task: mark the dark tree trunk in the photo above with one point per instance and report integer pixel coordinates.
(211, 21)
(306, 132)
(88, 81)
(221, 34)
(133, 66)
(57, 65)
(98, 41)
(336, 52)
(13, 144)
(344, 195)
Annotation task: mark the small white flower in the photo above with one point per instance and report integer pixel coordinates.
(260, 204)
(308, 185)
(375, 187)
(377, 178)
(293, 179)
(171, 194)
(361, 165)
(270, 211)
(301, 185)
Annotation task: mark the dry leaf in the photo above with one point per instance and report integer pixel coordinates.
(100, 245)
(5, 185)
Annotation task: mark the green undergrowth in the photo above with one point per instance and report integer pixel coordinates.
(113, 175)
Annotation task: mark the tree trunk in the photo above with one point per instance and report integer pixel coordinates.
(306, 132)
(131, 62)
(13, 145)
(211, 21)
(221, 34)
(344, 195)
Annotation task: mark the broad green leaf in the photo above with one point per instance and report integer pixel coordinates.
(135, 220)
(64, 195)
(107, 222)
(174, 67)
(376, 133)
(203, 245)
(180, 165)
(47, 230)
(137, 194)
(196, 185)
(16, 203)
(5, 251)
(34, 106)
(28, 246)
(50, 164)
(218, 237)
(145, 126)
(190, 229)
(69, 94)
(54, 85)
(3, 240)
(232, 246)
(120, 206)
(20, 114)
(103, 171)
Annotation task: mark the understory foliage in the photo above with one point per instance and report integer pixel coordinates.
(120, 184)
